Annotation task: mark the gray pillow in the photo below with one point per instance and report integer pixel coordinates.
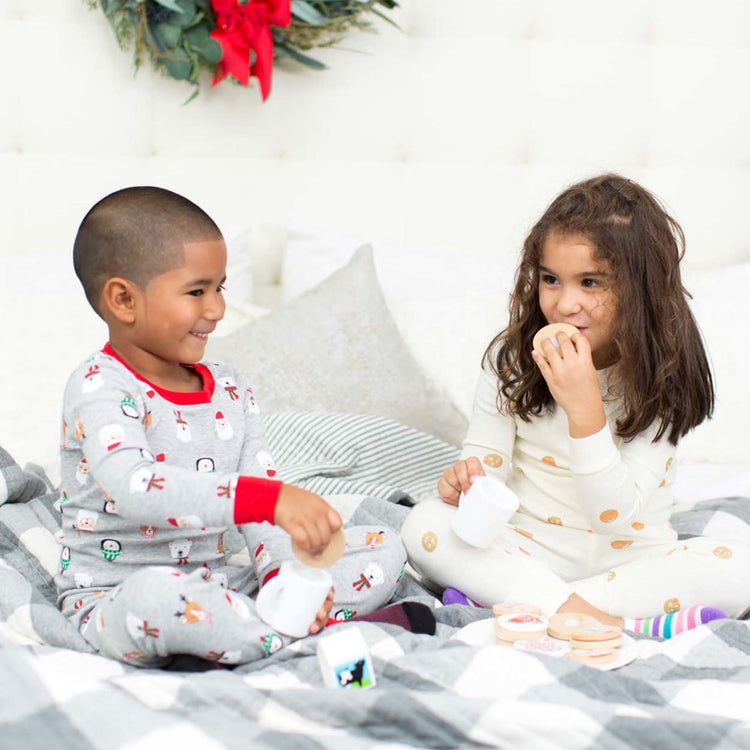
(337, 348)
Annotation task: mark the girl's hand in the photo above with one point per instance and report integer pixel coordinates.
(457, 479)
(306, 517)
(321, 618)
(571, 377)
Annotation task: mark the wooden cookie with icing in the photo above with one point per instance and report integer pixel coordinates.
(564, 624)
(520, 626)
(549, 332)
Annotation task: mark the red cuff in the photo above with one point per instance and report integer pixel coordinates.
(255, 499)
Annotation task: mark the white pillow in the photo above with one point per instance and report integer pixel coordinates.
(254, 264)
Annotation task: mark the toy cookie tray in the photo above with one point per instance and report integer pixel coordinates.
(573, 636)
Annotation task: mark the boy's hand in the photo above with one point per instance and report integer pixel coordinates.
(306, 517)
(457, 479)
(571, 377)
(323, 614)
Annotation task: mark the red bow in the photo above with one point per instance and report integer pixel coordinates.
(241, 28)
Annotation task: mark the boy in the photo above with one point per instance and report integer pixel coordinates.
(162, 456)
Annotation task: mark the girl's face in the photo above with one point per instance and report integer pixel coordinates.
(575, 288)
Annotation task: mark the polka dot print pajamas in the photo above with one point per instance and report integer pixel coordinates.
(593, 519)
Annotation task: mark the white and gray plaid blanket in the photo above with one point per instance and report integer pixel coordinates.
(432, 691)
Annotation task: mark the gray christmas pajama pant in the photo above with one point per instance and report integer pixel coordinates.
(160, 611)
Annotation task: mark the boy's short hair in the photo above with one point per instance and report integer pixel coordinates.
(136, 233)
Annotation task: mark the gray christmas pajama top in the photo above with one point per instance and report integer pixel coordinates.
(155, 485)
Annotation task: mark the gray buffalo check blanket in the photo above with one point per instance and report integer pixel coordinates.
(434, 691)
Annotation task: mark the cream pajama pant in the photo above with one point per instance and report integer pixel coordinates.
(642, 581)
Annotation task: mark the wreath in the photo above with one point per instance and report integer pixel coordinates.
(237, 38)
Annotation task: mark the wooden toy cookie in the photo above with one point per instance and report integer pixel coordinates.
(593, 658)
(549, 332)
(596, 637)
(544, 645)
(520, 626)
(327, 557)
(564, 624)
(595, 645)
(509, 608)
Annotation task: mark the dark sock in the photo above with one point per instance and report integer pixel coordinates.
(413, 616)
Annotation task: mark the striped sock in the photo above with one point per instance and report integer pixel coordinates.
(667, 626)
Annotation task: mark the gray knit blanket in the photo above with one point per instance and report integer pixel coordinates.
(452, 689)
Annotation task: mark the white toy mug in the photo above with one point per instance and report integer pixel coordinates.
(483, 511)
(290, 601)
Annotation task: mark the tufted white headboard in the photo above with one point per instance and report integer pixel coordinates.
(441, 141)
(452, 133)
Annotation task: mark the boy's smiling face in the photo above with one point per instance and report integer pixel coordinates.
(179, 309)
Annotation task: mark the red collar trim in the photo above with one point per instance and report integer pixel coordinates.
(203, 396)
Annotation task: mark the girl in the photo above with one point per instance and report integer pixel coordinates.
(585, 430)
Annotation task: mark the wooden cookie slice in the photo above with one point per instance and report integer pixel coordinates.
(327, 557)
(598, 636)
(564, 624)
(597, 632)
(549, 332)
(520, 626)
(592, 658)
(596, 645)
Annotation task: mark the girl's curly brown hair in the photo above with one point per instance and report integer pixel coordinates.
(662, 370)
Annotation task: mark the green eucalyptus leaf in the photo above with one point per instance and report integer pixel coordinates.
(197, 37)
(310, 62)
(212, 52)
(200, 42)
(198, 18)
(171, 34)
(159, 41)
(170, 5)
(186, 13)
(307, 13)
(178, 65)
